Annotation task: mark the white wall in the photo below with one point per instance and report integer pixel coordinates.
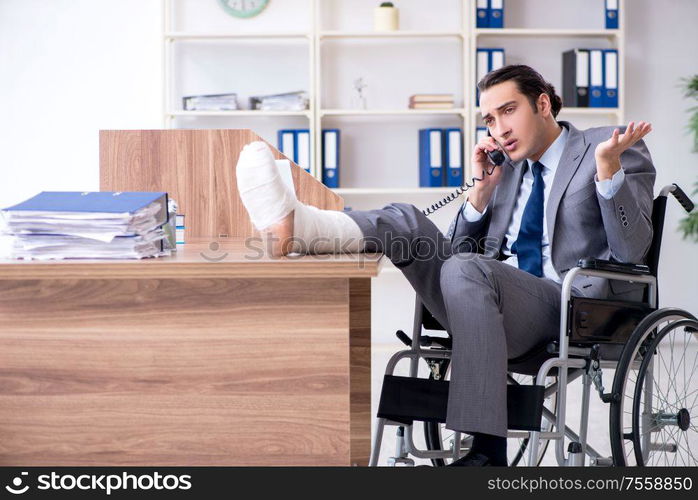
(72, 67)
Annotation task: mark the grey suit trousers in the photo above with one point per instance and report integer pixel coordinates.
(492, 310)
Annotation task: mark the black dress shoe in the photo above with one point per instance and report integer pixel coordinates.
(472, 459)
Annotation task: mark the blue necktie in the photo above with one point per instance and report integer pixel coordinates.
(527, 246)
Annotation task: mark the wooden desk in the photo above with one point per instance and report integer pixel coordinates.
(187, 361)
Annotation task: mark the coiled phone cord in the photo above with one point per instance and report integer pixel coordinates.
(496, 157)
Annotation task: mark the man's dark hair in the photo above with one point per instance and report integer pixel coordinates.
(528, 80)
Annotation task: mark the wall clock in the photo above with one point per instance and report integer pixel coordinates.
(243, 8)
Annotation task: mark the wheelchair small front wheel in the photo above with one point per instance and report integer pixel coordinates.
(654, 410)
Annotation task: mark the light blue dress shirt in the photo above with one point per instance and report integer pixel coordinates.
(550, 160)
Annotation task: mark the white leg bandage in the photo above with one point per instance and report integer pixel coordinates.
(268, 200)
(324, 231)
(263, 192)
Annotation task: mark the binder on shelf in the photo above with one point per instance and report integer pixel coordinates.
(611, 14)
(610, 77)
(295, 144)
(303, 149)
(453, 156)
(480, 133)
(286, 140)
(596, 90)
(430, 157)
(496, 8)
(575, 78)
(487, 60)
(496, 59)
(481, 69)
(330, 157)
(482, 14)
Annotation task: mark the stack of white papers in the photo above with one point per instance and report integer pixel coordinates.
(93, 225)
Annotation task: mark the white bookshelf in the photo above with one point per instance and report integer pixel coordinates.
(317, 33)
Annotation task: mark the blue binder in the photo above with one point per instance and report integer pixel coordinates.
(486, 60)
(610, 77)
(430, 157)
(596, 88)
(303, 149)
(482, 14)
(286, 143)
(482, 67)
(453, 156)
(330, 157)
(611, 14)
(109, 202)
(480, 133)
(496, 13)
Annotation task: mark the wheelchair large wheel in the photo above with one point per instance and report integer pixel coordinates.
(654, 411)
(437, 437)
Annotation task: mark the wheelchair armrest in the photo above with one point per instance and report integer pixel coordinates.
(616, 267)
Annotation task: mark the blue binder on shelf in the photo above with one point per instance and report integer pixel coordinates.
(496, 8)
(453, 156)
(480, 133)
(482, 14)
(295, 144)
(303, 149)
(487, 60)
(596, 89)
(330, 157)
(610, 77)
(430, 157)
(611, 14)
(286, 143)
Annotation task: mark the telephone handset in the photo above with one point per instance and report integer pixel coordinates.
(496, 158)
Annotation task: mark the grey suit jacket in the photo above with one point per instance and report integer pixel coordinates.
(581, 223)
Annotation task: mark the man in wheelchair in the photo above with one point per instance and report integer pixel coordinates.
(494, 281)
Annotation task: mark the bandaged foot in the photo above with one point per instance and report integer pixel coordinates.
(289, 225)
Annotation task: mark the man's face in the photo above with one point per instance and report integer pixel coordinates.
(508, 114)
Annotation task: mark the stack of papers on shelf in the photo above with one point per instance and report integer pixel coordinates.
(211, 102)
(87, 225)
(431, 101)
(291, 101)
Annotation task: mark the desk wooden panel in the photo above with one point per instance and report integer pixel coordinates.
(197, 169)
(181, 361)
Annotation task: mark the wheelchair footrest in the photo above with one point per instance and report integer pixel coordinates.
(406, 399)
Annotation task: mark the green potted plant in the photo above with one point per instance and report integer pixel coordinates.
(689, 224)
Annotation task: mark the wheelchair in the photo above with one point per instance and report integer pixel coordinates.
(653, 414)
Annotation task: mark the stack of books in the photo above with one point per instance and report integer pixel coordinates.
(291, 101)
(88, 225)
(211, 102)
(431, 101)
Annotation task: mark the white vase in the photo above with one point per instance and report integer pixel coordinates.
(385, 19)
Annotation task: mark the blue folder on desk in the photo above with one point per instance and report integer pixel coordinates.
(108, 202)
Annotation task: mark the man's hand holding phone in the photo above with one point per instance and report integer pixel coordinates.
(479, 195)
